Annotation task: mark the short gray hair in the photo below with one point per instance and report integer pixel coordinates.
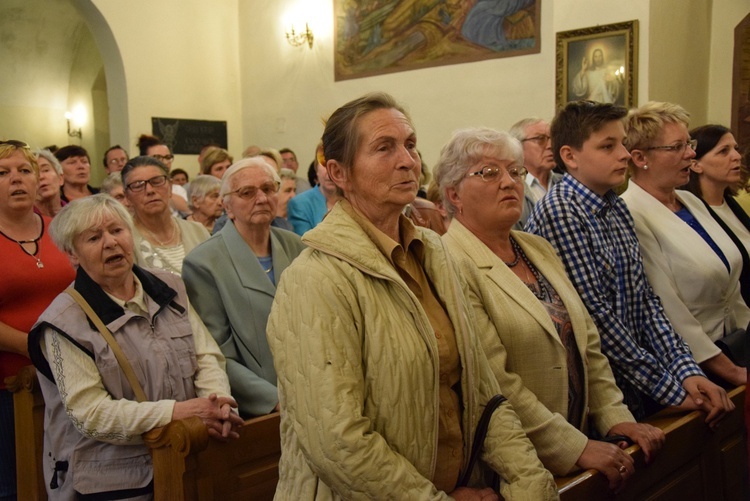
(111, 182)
(201, 186)
(82, 214)
(52, 159)
(465, 149)
(285, 173)
(245, 163)
(518, 129)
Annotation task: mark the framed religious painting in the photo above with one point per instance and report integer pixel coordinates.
(598, 64)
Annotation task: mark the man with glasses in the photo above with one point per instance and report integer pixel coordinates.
(594, 235)
(533, 133)
(115, 159)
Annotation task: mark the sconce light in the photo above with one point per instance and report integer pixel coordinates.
(297, 39)
(73, 132)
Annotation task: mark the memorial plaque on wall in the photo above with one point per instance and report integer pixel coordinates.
(187, 137)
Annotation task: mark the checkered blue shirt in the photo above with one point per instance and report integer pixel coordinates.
(595, 237)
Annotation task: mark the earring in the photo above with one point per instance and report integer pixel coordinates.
(645, 167)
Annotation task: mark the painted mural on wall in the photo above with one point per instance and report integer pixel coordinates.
(383, 36)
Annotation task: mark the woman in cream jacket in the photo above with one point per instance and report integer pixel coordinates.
(690, 261)
(381, 379)
(540, 341)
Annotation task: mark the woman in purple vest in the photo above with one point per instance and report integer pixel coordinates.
(94, 417)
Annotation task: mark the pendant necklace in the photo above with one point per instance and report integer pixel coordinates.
(21, 243)
(171, 237)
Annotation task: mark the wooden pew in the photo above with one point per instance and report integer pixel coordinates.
(28, 411)
(696, 463)
(187, 465)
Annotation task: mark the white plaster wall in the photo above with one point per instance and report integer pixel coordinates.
(181, 60)
(679, 55)
(36, 66)
(726, 15)
(287, 90)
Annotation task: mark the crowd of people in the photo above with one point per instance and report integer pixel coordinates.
(382, 325)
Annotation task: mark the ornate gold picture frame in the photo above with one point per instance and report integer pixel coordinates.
(599, 64)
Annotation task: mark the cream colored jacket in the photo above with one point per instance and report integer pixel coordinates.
(525, 351)
(700, 297)
(357, 362)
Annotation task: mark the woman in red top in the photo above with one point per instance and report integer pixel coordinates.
(34, 273)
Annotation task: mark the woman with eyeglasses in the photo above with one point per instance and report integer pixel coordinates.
(161, 240)
(154, 147)
(692, 264)
(34, 273)
(538, 336)
(231, 280)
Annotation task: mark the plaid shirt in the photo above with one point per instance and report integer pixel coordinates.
(596, 240)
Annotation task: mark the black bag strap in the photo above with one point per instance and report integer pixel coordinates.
(479, 435)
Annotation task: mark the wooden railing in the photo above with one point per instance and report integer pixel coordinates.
(695, 464)
(189, 466)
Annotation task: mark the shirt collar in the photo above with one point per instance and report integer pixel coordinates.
(385, 244)
(136, 304)
(593, 204)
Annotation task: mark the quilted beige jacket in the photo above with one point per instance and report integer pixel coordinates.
(358, 375)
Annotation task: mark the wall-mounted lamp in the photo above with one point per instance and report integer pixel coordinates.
(297, 39)
(73, 132)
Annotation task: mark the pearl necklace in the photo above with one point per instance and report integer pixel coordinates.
(21, 243)
(538, 288)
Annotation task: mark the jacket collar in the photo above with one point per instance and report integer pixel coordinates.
(110, 311)
(360, 251)
(494, 269)
(246, 264)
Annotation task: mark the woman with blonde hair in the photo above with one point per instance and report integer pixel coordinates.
(215, 162)
(34, 273)
(692, 264)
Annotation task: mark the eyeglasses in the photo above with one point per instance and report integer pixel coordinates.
(250, 192)
(676, 148)
(163, 158)
(118, 161)
(15, 144)
(155, 182)
(541, 139)
(488, 173)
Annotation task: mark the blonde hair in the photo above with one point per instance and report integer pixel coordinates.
(644, 123)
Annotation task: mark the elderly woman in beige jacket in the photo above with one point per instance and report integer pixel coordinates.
(381, 378)
(540, 340)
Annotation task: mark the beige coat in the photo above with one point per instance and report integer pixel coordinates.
(358, 376)
(525, 351)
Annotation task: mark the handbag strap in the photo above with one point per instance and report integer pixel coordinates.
(140, 395)
(479, 435)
